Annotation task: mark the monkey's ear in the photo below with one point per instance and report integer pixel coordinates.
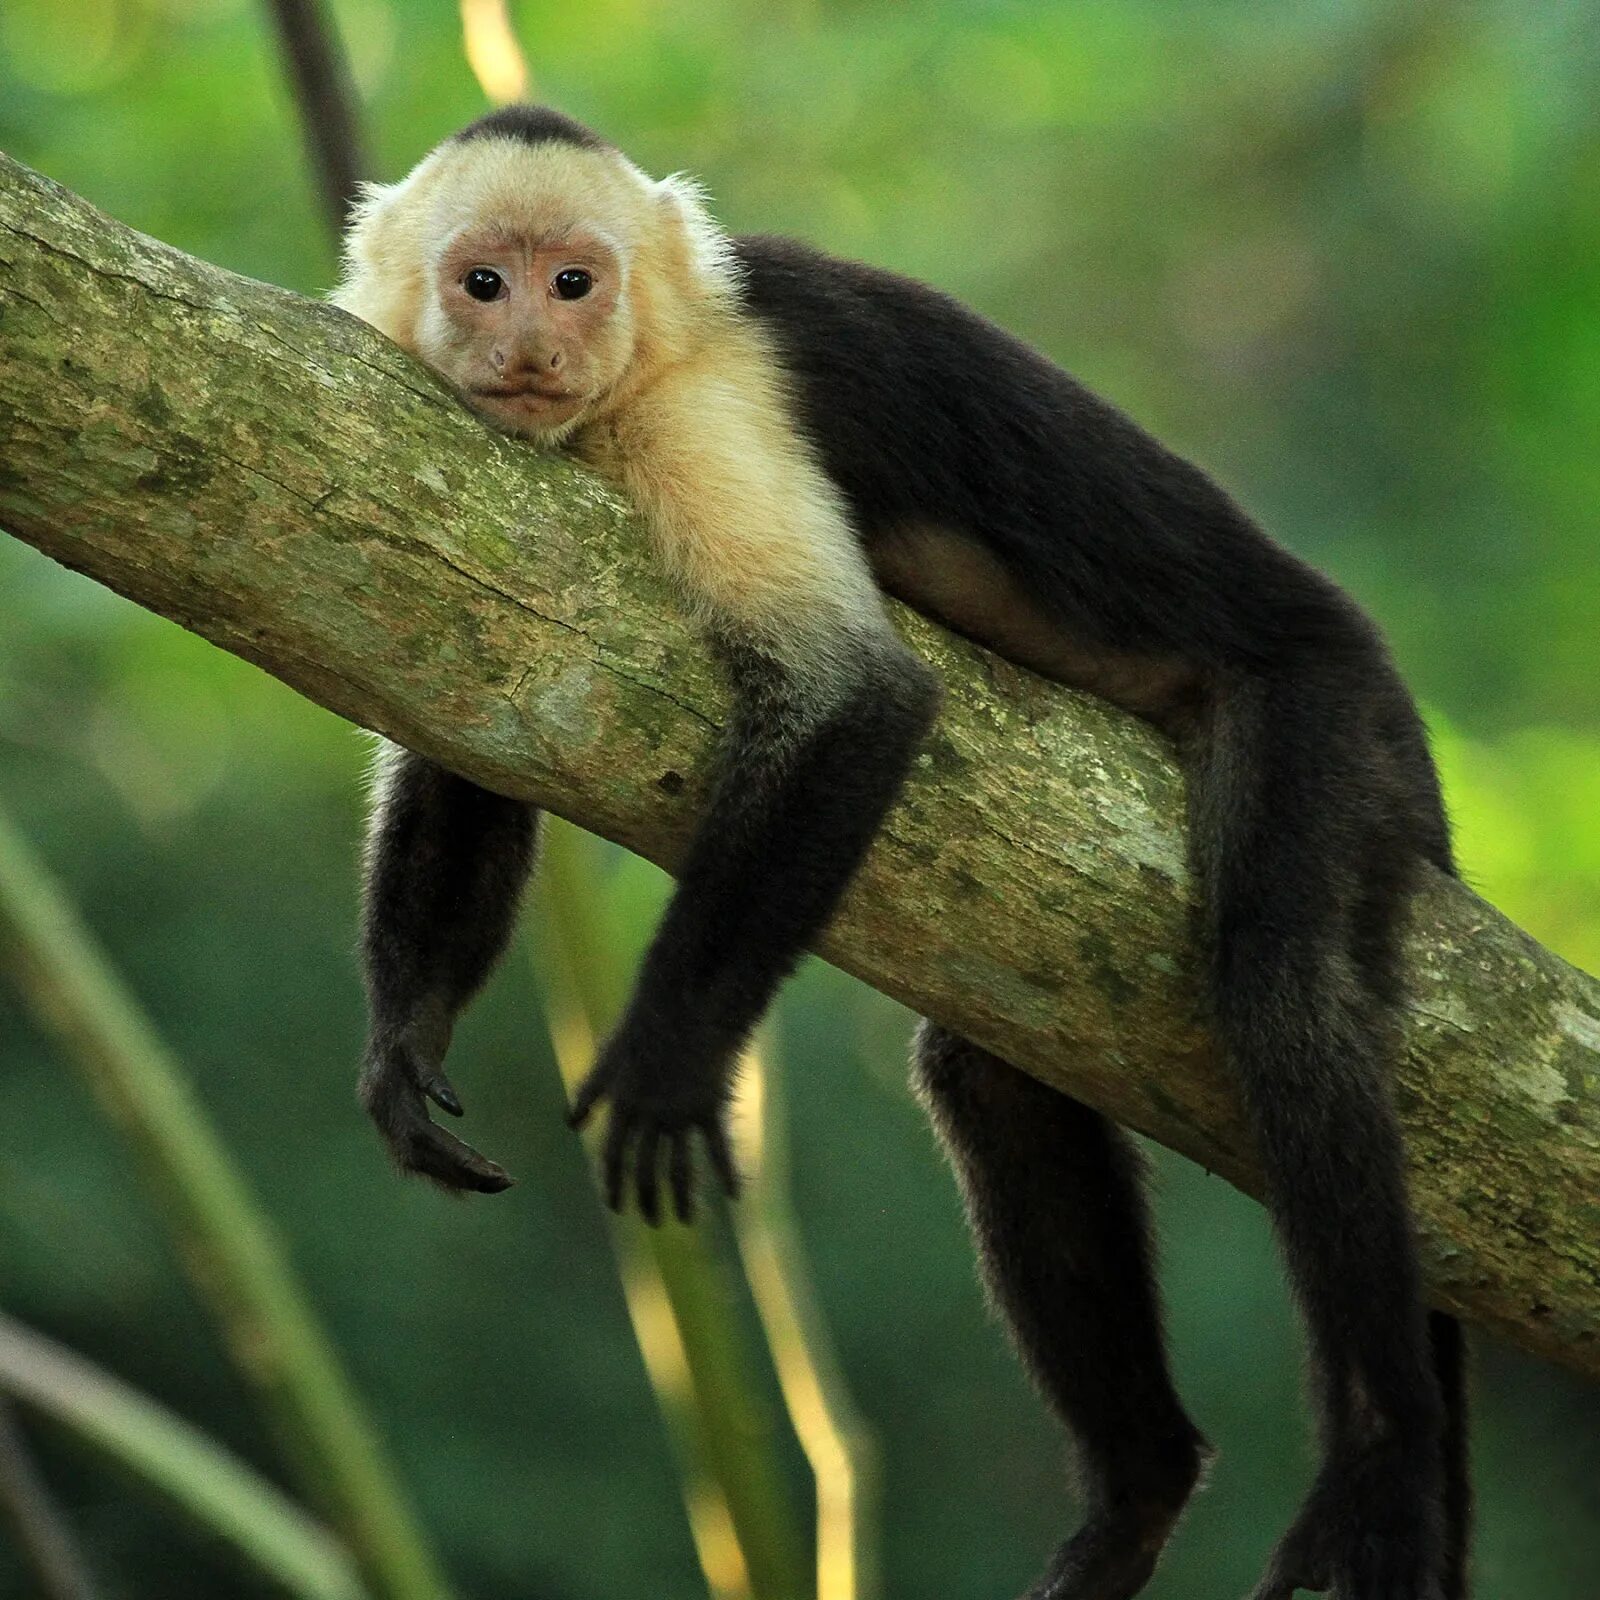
(372, 199)
(709, 254)
(369, 234)
(384, 262)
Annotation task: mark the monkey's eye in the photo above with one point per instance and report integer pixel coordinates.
(572, 283)
(482, 284)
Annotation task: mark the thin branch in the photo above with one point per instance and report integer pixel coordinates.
(681, 1287)
(284, 482)
(493, 53)
(43, 1536)
(208, 1484)
(836, 1440)
(235, 1259)
(320, 77)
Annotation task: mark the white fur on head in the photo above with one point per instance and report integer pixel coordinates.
(399, 231)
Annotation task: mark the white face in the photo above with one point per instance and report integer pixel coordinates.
(508, 268)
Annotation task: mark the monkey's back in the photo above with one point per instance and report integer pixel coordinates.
(925, 412)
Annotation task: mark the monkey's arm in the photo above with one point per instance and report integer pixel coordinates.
(445, 868)
(830, 708)
(801, 794)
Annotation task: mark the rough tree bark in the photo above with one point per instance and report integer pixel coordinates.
(274, 476)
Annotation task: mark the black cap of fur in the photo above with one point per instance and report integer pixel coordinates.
(532, 125)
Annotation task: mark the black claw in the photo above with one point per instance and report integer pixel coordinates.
(393, 1092)
(444, 1158)
(493, 1180)
(438, 1089)
(584, 1101)
(426, 1149)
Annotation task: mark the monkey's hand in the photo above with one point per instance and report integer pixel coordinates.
(399, 1075)
(659, 1094)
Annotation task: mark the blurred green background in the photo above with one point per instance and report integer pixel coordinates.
(1347, 255)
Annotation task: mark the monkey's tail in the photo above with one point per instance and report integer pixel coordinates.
(1304, 865)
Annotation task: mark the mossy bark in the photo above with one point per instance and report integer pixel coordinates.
(276, 477)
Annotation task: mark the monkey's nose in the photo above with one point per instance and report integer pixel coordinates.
(556, 358)
(497, 357)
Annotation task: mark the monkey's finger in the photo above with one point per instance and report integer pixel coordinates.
(459, 1166)
(647, 1177)
(441, 1091)
(721, 1156)
(590, 1092)
(618, 1138)
(681, 1175)
(423, 1147)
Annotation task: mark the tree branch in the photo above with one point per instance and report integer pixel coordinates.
(274, 476)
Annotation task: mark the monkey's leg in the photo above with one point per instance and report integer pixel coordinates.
(1302, 894)
(445, 868)
(1375, 1524)
(1416, 828)
(1052, 1192)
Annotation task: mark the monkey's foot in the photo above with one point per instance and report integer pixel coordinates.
(398, 1078)
(1112, 1556)
(657, 1106)
(1369, 1530)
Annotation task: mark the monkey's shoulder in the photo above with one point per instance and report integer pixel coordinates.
(836, 313)
(927, 414)
(920, 405)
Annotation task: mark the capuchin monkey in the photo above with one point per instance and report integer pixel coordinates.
(800, 433)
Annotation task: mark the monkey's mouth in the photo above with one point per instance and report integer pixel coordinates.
(525, 391)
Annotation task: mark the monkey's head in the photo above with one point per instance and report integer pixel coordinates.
(535, 268)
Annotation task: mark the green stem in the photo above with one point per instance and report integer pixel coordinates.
(722, 1425)
(232, 1250)
(833, 1435)
(216, 1489)
(40, 1533)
